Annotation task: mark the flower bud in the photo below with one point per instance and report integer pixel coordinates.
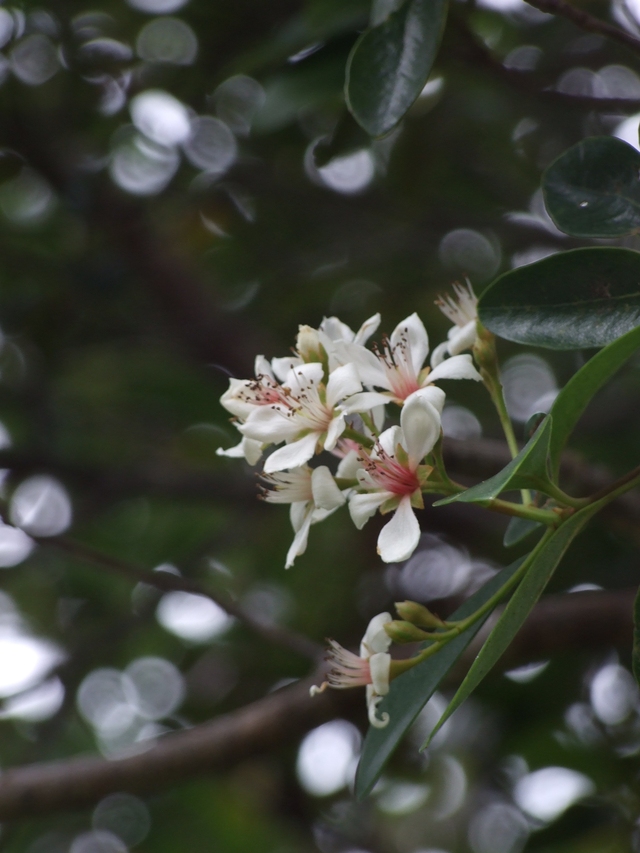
(418, 614)
(308, 345)
(404, 632)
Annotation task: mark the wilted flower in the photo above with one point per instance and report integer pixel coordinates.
(372, 668)
(462, 310)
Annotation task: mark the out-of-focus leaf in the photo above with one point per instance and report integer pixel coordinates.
(391, 62)
(571, 300)
(528, 592)
(411, 691)
(593, 189)
(527, 471)
(580, 389)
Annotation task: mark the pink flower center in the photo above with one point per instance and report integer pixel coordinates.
(398, 367)
(390, 475)
(347, 669)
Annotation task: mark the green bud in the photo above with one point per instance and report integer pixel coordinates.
(404, 632)
(418, 614)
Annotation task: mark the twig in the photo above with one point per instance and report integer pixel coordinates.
(166, 582)
(579, 621)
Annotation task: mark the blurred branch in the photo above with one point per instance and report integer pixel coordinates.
(583, 621)
(586, 21)
(166, 582)
(528, 82)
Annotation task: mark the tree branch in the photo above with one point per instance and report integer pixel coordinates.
(586, 21)
(166, 582)
(583, 621)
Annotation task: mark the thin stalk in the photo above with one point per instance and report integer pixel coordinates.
(361, 438)
(534, 513)
(367, 420)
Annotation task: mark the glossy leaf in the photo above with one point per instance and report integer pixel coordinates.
(518, 529)
(538, 575)
(580, 389)
(411, 691)
(391, 62)
(593, 189)
(527, 471)
(571, 300)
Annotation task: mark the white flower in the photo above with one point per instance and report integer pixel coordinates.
(371, 668)
(462, 310)
(398, 366)
(313, 495)
(326, 341)
(392, 478)
(307, 415)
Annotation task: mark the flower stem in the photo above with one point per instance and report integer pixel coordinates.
(361, 438)
(367, 420)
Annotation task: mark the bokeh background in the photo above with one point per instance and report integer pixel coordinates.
(180, 187)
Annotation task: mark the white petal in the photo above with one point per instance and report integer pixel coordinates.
(463, 338)
(389, 439)
(262, 367)
(231, 398)
(300, 377)
(349, 466)
(336, 330)
(370, 370)
(432, 394)
(376, 638)
(326, 494)
(456, 367)
(363, 506)
(298, 512)
(292, 455)
(299, 544)
(399, 538)
(367, 329)
(379, 415)
(343, 382)
(420, 424)
(364, 402)
(380, 666)
(270, 424)
(439, 354)
(336, 428)
(282, 366)
(412, 329)
(248, 449)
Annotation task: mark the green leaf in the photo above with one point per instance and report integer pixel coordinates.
(580, 389)
(411, 691)
(548, 554)
(572, 300)
(527, 471)
(593, 189)
(635, 658)
(518, 529)
(391, 62)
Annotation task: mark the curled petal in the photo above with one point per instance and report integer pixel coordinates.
(399, 538)
(456, 367)
(439, 354)
(372, 710)
(432, 394)
(463, 338)
(367, 329)
(299, 544)
(379, 667)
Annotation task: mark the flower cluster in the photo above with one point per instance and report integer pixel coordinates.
(332, 397)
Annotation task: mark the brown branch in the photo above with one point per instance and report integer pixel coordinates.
(166, 582)
(584, 621)
(529, 83)
(586, 21)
